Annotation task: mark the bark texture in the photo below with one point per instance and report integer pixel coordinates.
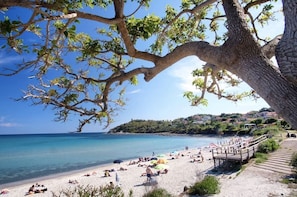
(286, 51)
(250, 63)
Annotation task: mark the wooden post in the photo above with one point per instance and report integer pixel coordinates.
(248, 153)
(212, 153)
(226, 154)
(214, 159)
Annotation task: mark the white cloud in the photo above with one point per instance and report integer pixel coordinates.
(134, 91)
(8, 59)
(182, 70)
(8, 124)
(4, 123)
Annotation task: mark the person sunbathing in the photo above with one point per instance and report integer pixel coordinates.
(165, 171)
(34, 189)
(106, 173)
(73, 181)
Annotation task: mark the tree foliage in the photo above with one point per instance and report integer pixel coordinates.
(84, 69)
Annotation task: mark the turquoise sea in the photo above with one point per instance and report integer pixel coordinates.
(30, 156)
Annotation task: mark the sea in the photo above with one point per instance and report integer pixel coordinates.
(31, 156)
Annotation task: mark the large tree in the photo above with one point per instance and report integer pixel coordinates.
(81, 70)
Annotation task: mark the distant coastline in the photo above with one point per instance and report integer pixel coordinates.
(206, 124)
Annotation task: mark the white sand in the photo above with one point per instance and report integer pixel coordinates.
(182, 172)
(253, 182)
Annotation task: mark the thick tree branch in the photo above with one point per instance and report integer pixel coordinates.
(269, 48)
(238, 28)
(79, 14)
(203, 50)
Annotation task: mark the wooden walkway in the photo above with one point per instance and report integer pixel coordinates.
(236, 152)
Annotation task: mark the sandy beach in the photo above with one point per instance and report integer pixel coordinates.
(181, 172)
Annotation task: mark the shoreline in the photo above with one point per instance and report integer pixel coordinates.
(45, 175)
(131, 178)
(51, 176)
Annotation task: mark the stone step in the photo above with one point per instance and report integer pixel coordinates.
(289, 154)
(275, 166)
(281, 156)
(277, 163)
(287, 161)
(280, 162)
(279, 170)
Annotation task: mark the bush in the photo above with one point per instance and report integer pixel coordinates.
(268, 146)
(209, 185)
(269, 130)
(158, 192)
(294, 161)
(261, 157)
(91, 191)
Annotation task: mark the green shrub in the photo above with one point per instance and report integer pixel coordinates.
(268, 146)
(209, 185)
(257, 121)
(270, 121)
(269, 130)
(158, 192)
(261, 157)
(91, 191)
(294, 161)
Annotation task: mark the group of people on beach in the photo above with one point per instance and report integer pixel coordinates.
(197, 158)
(36, 188)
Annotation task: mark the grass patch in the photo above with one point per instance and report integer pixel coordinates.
(260, 157)
(158, 192)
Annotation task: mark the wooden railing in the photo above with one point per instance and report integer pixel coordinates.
(235, 152)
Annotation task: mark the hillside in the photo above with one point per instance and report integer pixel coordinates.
(206, 124)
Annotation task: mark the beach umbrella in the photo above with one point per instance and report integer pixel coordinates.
(162, 161)
(161, 167)
(154, 161)
(118, 161)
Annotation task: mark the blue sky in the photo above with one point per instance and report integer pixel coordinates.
(160, 99)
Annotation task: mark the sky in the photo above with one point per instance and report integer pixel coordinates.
(160, 99)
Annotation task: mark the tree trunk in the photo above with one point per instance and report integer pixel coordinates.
(271, 86)
(286, 51)
(250, 64)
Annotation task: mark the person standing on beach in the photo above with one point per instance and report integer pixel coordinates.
(149, 174)
(117, 178)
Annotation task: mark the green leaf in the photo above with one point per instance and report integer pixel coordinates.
(134, 80)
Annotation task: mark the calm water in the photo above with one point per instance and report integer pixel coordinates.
(30, 156)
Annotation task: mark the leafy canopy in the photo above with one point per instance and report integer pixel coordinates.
(82, 53)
